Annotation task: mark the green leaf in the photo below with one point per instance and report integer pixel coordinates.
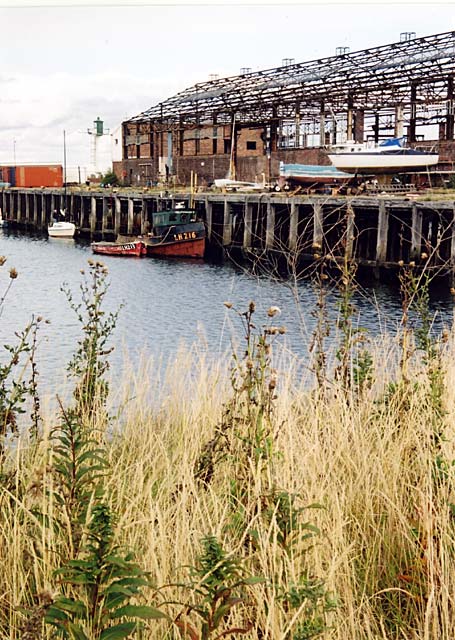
(137, 611)
(118, 632)
(76, 632)
(253, 580)
(73, 606)
(55, 615)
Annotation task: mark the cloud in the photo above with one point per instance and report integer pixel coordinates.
(37, 108)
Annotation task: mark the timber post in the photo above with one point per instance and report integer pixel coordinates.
(416, 233)
(248, 224)
(293, 226)
(130, 216)
(117, 214)
(318, 220)
(270, 226)
(208, 217)
(383, 230)
(227, 224)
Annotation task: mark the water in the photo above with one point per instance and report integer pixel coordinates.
(166, 302)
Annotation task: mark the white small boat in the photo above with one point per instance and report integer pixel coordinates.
(61, 230)
(237, 185)
(388, 157)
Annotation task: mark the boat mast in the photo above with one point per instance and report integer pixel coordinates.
(64, 171)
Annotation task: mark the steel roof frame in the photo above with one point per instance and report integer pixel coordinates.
(371, 79)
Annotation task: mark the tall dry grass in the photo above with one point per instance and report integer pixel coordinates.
(383, 484)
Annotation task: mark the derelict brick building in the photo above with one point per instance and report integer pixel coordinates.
(246, 124)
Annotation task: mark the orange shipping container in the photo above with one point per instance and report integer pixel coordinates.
(50, 175)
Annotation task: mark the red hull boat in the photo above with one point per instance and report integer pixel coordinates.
(176, 233)
(135, 248)
(182, 248)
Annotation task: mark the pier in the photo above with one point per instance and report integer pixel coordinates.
(379, 232)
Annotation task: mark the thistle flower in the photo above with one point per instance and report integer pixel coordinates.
(228, 305)
(400, 263)
(424, 256)
(272, 331)
(316, 256)
(12, 273)
(273, 311)
(412, 263)
(2, 260)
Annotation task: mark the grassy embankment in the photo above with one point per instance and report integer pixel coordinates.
(257, 506)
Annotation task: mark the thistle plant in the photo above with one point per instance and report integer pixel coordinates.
(90, 363)
(218, 584)
(97, 588)
(355, 364)
(247, 422)
(322, 330)
(79, 465)
(15, 388)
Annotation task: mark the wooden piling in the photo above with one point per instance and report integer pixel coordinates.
(416, 233)
(383, 229)
(105, 223)
(318, 219)
(247, 225)
(117, 215)
(350, 229)
(92, 214)
(293, 226)
(227, 224)
(144, 222)
(208, 217)
(270, 226)
(35, 210)
(43, 211)
(130, 216)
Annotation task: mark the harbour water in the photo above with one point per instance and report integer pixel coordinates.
(166, 303)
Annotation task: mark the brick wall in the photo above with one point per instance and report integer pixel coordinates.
(255, 138)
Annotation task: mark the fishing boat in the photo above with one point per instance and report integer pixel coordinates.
(390, 156)
(134, 248)
(176, 233)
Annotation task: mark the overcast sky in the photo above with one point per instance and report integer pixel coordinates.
(63, 64)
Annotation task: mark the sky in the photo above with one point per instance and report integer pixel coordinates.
(64, 64)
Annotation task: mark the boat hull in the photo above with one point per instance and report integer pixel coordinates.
(119, 249)
(190, 248)
(382, 162)
(62, 230)
(312, 174)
